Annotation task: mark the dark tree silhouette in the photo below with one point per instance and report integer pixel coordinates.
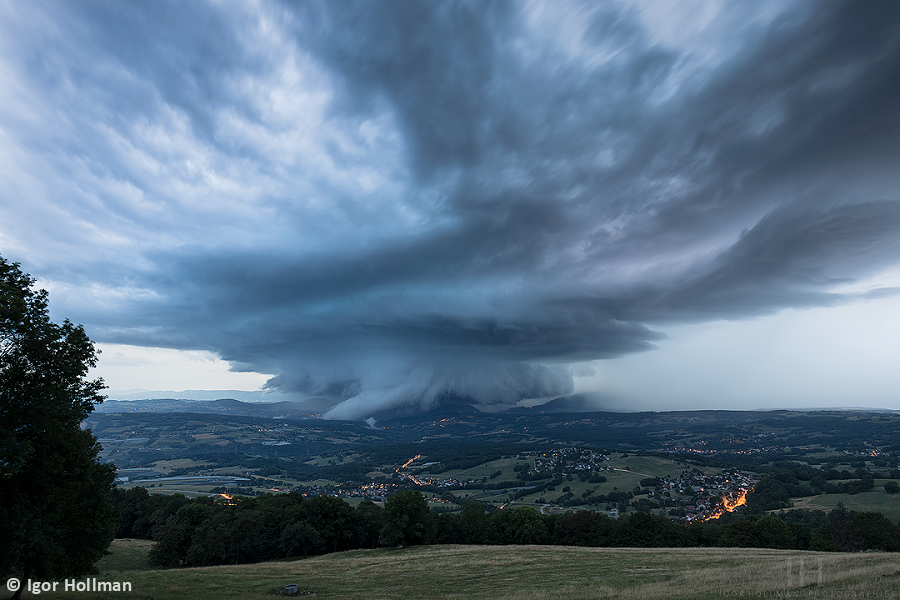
(55, 495)
(407, 519)
(843, 533)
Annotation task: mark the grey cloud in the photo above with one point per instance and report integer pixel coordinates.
(434, 61)
(181, 55)
(791, 258)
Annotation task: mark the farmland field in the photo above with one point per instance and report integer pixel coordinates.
(649, 466)
(874, 500)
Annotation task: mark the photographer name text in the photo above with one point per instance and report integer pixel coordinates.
(88, 584)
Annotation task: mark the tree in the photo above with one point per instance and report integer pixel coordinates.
(521, 525)
(299, 535)
(407, 519)
(176, 534)
(876, 531)
(475, 526)
(369, 523)
(584, 528)
(843, 533)
(55, 496)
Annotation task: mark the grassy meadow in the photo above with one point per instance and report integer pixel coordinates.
(875, 499)
(126, 555)
(520, 573)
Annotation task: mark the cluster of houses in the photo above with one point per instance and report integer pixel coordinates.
(699, 494)
(747, 445)
(568, 460)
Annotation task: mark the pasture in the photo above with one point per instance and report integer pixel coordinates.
(521, 572)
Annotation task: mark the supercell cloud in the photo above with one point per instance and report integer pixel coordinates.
(396, 205)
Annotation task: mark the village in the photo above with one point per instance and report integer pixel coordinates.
(691, 496)
(561, 479)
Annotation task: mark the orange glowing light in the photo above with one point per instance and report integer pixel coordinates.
(728, 505)
(227, 499)
(410, 461)
(407, 475)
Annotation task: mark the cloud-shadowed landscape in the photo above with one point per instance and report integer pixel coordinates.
(392, 205)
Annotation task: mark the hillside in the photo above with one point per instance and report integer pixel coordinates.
(522, 572)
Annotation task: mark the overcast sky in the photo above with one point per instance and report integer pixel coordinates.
(671, 205)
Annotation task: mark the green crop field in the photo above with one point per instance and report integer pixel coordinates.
(165, 466)
(484, 470)
(649, 466)
(519, 572)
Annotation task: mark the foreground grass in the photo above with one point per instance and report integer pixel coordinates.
(532, 572)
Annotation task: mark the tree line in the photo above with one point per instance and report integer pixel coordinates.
(204, 531)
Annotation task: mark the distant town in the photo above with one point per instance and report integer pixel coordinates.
(687, 467)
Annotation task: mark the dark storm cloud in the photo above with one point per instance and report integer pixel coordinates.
(790, 258)
(471, 196)
(435, 61)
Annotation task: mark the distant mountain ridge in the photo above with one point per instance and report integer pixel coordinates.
(315, 408)
(219, 406)
(242, 395)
